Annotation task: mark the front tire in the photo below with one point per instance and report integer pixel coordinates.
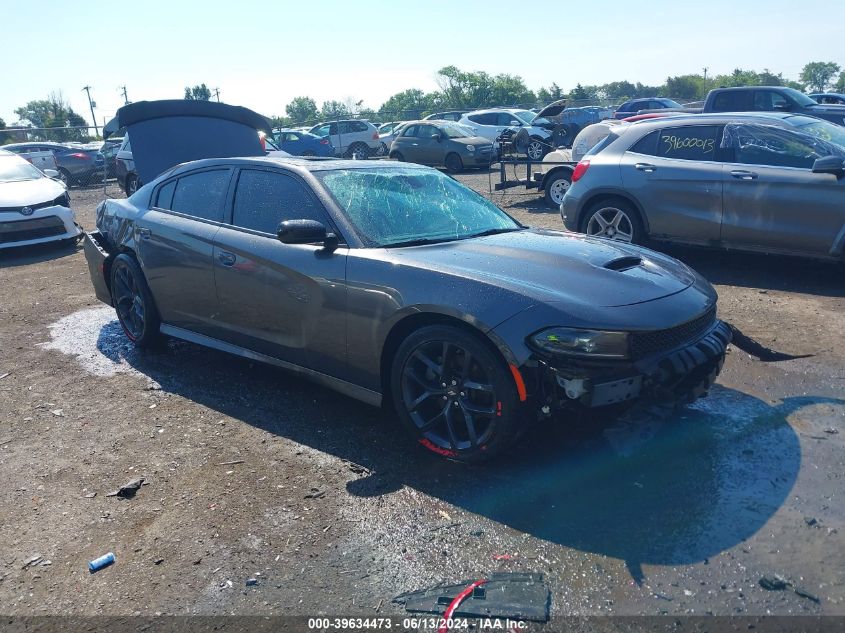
(454, 164)
(536, 149)
(614, 219)
(133, 302)
(556, 187)
(454, 394)
(131, 184)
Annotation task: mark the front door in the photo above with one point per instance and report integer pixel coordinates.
(675, 174)
(283, 300)
(773, 200)
(174, 241)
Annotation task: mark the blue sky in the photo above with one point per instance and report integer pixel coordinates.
(261, 53)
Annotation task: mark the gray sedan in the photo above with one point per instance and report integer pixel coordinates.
(441, 143)
(769, 182)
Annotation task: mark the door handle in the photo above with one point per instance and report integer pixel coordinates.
(145, 233)
(741, 174)
(646, 167)
(226, 258)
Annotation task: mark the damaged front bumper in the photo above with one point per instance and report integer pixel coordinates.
(99, 264)
(678, 375)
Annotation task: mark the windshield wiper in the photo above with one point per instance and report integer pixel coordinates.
(418, 242)
(494, 232)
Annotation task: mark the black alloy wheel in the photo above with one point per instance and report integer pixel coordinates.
(454, 394)
(133, 302)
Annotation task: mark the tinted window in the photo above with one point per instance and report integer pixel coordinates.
(263, 199)
(505, 119)
(359, 126)
(647, 144)
(202, 194)
(776, 147)
(411, 131)
(484, 119)
(731, 101)
(768, 100)
(690, 143)
(165, 195)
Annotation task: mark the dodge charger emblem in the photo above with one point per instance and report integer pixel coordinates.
(27, 211)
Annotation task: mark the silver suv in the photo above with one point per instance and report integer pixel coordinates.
(770, 182)
(353, 137)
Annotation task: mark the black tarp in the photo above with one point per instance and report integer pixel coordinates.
(169, 132)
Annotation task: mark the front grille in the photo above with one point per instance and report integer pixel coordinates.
(30, 229)
(34, 207)
(647, 343)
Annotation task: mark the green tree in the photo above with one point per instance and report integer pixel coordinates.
(839, 86)
(334, 109)
(53, 112)
(302, 110)
(817, 76)
(406, 105)
(580, 93)
(198, 93)
(685, 87)
(511, 90)
(462, 89)
(3, 137)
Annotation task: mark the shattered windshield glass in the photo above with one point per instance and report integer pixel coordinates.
(13, 169)
(820, 129)
(405, 205)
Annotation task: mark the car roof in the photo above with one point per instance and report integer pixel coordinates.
(717, 117)
(301, 163)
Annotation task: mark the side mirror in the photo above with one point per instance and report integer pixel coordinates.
(834, 165)
(306, 232)
(51, 173)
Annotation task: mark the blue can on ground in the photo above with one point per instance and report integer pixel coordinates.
(99, 563)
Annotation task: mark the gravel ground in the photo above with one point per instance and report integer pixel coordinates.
(253, 473)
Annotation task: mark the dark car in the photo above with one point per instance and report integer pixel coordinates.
(124, 167)
(76, 165)
(109, 150)
(441, 143)
(832, 98)
(650, 103)
(298, 143)
(397, 285)
(769, 182)
(449, 115)
(771, 99)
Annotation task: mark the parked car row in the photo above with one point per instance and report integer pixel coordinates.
(76, 164)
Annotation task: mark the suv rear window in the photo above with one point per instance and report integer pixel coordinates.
(602, 144)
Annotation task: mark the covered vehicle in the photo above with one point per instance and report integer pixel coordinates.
(168, 132)
(769, 182)
(34, 208)
(395, 284)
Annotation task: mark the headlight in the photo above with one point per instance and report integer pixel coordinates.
(63, 200)
(470, 148)
(586, 343)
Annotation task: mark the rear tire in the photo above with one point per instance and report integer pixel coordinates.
(398, 156)
(64, 176)
(454, 164)
(361, 149)
(556, 187)
(476, 415)
(133, 302)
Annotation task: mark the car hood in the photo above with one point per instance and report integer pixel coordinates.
(26, 192)
(169, 132)
(553, 109)
(554, 266)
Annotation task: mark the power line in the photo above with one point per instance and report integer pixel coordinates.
(217, 94)
(122, 90)
(91, 104)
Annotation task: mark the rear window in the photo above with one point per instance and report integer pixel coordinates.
(601, 145)
(732, 101)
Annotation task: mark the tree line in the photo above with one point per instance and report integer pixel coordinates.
(458, 90)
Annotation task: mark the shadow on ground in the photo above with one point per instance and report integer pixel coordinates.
(672, 490)
(26, 255)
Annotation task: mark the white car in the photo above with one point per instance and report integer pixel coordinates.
(386, 134)
(34, 208)
(491, 123)
(352, 137)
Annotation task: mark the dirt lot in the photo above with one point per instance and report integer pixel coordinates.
(253, 473)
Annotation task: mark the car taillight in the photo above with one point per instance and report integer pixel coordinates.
(375, 135)
(580, 169)
(78, 155)
(324, 141)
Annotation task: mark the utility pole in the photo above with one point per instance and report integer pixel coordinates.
(123, 92)
(217, 94)
(92, 105)
(705, 73)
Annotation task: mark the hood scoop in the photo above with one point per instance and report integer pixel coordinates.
(621, 264)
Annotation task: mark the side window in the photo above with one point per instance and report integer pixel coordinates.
(428, 131)
(647, 144)
(164, 200)
(731, 101)
(333, 128)
(202, 194)
(323, 130)
(695, 142)
(344, 127)
(263, 199)
(360, 126)
(485, 119)
(411, 131)
(771, 146)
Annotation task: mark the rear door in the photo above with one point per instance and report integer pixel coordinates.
(676, 175)
(283, 300)
(486, 125)
(175, 239)
(773, 200)
(407, 144)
